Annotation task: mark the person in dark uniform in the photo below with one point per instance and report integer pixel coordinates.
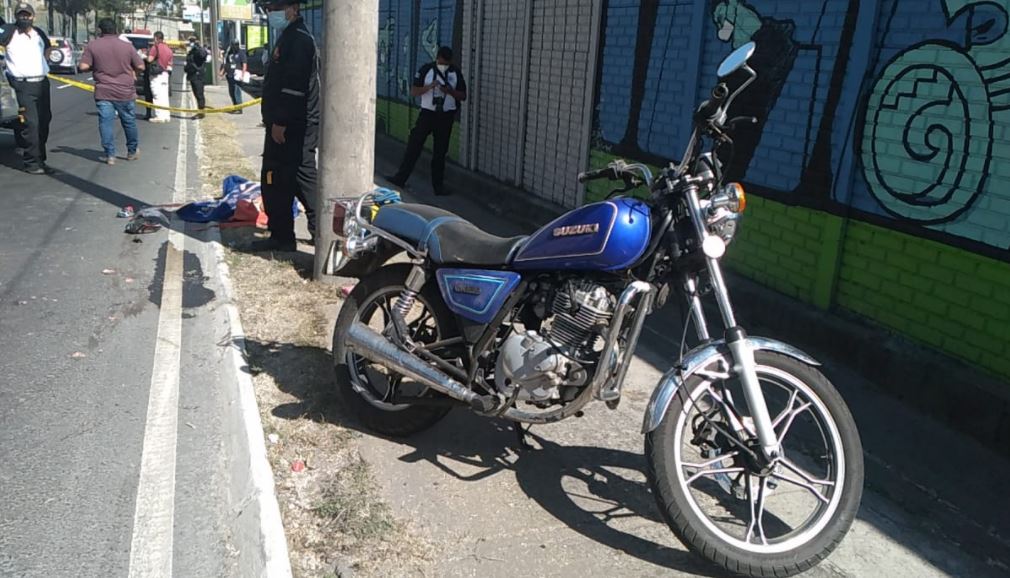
(291, 118)
(27, 60)
(196, 59)
(441, 87)
(234, 61)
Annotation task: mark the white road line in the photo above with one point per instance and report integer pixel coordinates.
(151, 549)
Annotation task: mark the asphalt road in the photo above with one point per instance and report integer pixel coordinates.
(81, 307)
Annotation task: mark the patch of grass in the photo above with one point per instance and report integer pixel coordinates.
(349, 502)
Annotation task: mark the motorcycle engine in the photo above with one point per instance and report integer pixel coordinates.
(541, 364)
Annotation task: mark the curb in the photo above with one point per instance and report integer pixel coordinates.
(259, 529)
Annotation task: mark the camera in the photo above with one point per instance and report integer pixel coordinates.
(439, 102)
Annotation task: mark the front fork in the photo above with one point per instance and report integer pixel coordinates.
(743, 364)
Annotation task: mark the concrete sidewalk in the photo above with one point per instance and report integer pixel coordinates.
(936, 499)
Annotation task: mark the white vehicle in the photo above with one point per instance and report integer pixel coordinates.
(8, 102)
(62, 57)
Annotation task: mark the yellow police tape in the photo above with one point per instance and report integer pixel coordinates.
(233, 108)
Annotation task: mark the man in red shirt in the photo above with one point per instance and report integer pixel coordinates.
(115, 64)
(159, 58)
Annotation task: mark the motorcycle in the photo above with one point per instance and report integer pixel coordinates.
(753, 457)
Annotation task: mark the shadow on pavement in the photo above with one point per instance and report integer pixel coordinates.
(86, 154)
(464, 441)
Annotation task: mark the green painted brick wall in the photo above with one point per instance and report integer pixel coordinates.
(942, 296)
(780, 246)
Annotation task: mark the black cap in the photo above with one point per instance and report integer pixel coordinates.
(24, 7)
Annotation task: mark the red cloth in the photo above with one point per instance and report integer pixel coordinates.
(164, 55)
(113, 61)
(249, 213)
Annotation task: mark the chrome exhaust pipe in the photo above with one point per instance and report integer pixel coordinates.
(368, 343)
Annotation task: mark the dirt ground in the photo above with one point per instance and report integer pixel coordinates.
(336, 522)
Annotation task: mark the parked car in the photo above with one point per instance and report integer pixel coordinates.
(257, 60)
(62, 58)
(8, 102)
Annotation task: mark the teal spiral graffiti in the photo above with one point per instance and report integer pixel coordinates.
(927, 140)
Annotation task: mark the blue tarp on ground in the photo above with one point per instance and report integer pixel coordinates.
(235, 189)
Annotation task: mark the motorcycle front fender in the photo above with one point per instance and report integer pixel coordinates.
(700, 358)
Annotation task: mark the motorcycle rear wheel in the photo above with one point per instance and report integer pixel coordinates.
(362, 385)
(720, 501)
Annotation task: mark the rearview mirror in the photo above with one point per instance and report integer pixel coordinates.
(736, 60)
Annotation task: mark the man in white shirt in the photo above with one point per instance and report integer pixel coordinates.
(27, 66)
(441, 87)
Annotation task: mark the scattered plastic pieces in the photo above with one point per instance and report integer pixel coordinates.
(148, 220)
(126, 212)
(297, 466)
(108, 271)
(346, 290)
(78, 355)
(274, 438)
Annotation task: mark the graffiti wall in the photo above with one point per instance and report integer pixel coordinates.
(876, 168)
(878, 156)
(892, 109)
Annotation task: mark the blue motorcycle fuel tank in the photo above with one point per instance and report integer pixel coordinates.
(605, 236)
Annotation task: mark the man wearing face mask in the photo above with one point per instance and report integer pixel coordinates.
(441, 88)
(27, 66)
(196, 59)
(291, 117)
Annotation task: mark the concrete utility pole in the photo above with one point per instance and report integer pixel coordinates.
(347, 146)
(215, 58)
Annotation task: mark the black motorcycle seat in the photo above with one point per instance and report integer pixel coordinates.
(448, 238)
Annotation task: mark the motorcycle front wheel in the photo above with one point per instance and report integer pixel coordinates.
(725, 502)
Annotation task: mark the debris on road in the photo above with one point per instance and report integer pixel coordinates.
(149, 220)
(274, 438)
(297, 466)
(108, 271)
(78, 355)
(126, 212)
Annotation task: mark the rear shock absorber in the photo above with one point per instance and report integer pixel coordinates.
(405, 302)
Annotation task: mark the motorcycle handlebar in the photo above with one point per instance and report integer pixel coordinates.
(710, 108)
(604, 173)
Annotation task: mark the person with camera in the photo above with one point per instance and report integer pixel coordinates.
(441, 87)
(234, 69)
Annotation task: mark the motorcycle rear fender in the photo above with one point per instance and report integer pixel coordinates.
(699, 358)
(367, 263)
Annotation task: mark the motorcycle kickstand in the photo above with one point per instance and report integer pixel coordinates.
(521, 434)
